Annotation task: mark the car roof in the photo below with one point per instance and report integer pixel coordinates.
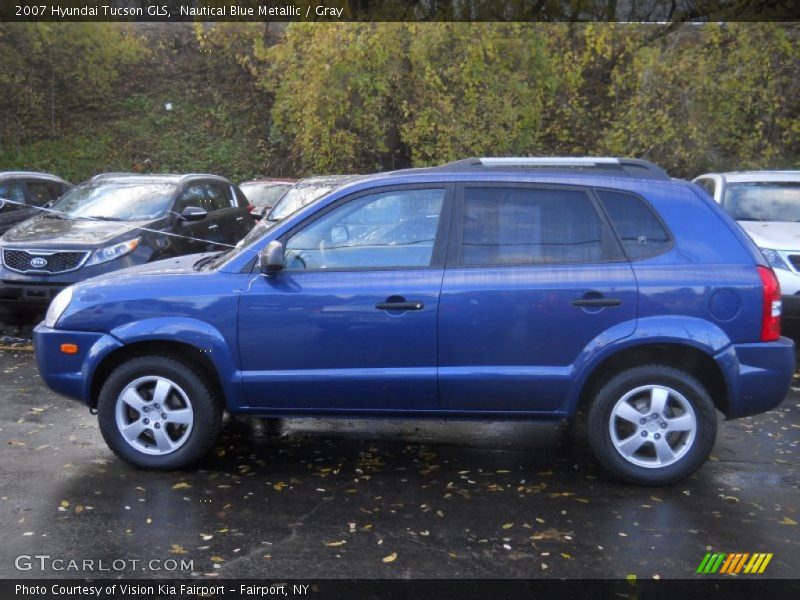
(37, 174)
(756, 176)
(133, 178)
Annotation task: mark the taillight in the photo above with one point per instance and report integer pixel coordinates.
(250, 208)
(771, 311)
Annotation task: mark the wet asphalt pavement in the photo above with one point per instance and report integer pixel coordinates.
(383, 499)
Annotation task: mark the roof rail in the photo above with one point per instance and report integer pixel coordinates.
(631, 167)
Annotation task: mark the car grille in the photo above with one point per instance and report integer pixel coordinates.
(23, 261)
(795, 260)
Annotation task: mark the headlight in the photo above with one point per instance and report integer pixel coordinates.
(774, 259)
(111, 252)
(57, 307)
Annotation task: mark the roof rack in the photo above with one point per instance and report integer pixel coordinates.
(113, 174)
(630, 167)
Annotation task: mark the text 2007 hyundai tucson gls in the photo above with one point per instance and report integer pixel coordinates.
(489, 288)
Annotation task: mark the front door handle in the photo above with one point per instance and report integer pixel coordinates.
(400, 305)
(212, 227)
(596, 302)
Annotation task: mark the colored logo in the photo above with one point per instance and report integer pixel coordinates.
(740, 562)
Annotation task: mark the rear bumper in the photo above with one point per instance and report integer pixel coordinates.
(759, 376)
(70, 374)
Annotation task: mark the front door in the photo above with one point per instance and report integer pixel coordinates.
(534, 276)
(350, 323)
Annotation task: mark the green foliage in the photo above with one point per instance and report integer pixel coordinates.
(50, 69)
(260, 99)
(356, 97)
(713, 96)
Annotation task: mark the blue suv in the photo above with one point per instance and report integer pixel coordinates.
(597, 290)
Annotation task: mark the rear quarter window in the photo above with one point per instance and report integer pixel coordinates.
(639, 229)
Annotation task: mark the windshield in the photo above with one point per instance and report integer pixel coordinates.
(296, 198)
(773, 201)
(117, 201)
(263, 195)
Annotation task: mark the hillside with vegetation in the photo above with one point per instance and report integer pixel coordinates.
(252, 99)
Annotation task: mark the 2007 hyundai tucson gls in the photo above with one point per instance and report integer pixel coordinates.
(488, 288)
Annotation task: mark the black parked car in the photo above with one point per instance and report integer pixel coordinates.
(27, 191)
(114, 221)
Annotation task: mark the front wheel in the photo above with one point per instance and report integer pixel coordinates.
(652, 425)
(158, 413)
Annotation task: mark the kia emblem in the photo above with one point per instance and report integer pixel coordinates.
(37, 262)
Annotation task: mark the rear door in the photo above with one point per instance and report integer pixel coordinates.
(535, 281)
(226, 218)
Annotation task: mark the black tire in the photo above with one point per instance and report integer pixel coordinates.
(695, 452)
(206, 407)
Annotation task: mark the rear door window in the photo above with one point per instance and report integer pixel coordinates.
(531, 226)
(218, 197)
(639, 229)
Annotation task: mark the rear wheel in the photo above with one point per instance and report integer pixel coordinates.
(158, 413)
(652, 425)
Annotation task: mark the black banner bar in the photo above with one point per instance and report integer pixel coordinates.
(399, 10)
(389, 589)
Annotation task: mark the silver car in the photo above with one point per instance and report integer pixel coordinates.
(767, 206)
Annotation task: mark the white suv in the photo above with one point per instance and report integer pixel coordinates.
(767, 206)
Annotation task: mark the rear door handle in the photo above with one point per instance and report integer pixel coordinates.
(596, 302)
(239, 218)
(214, 226)
(400, 305)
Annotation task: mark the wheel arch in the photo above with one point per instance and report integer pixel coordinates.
(182, 351)
(685, 357)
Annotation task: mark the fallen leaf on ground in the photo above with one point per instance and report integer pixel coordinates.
(391, 558)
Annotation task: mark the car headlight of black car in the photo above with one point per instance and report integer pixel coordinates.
(108, 253)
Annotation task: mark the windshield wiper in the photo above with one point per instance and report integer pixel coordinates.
(205, 260)
(100, 218)
(52, 215)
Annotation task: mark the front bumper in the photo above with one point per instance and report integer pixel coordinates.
(759, 376)
(71, 374)
(29, 295)
(35, 291)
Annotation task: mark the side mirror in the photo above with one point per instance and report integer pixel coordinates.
(270, 259)
(193, 213)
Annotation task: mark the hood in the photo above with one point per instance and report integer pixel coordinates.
(48, 232)
(776, 235)
(168, 266)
